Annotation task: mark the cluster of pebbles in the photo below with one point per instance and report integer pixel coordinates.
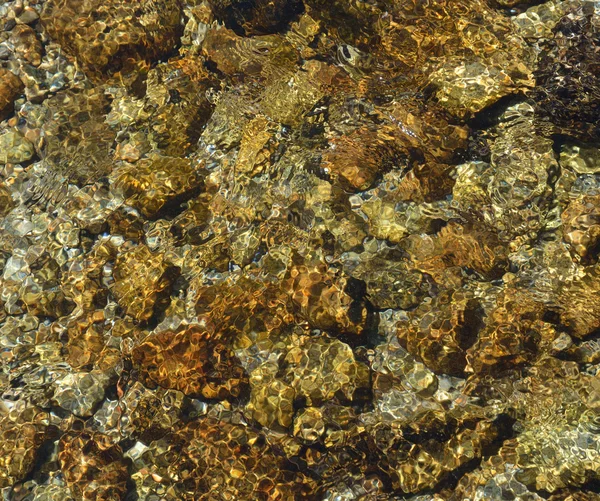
(299, 250)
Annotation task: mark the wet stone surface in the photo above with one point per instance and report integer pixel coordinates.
(321, 250)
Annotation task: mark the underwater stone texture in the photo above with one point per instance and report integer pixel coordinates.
(309, 250)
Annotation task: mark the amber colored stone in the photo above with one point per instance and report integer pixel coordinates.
(127, 222)
(235, 307)
(566, 92)
(581, 225)
(85, 343)
(439, 332)
(469, 65)
(27, 45)
(6, 203)
(77, 143)
(323, 300)
(147, 414)
(188, 227)
(277, 250)
(574, 495)
(141, 279)
(566, 453)
(510, 3)
(427, 127)
(514, 332)
(266, 56)
(14, 148)
(467, 247)
(22, 432)
(41, 293)
(390, 283)
(105, 36)
(359, 157)
(258, 144)
(233, 460)
(320, 369)
(154, 181)
(309, 424)
(257, 18)
(176, 98)
(580, 314)
(191, 361)
(10, 88)
(311, 82)
(271, 400)
(92, 466)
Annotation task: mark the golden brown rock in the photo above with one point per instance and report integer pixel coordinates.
(85, 289)
(580, 314)
(427, 127)
(15, 148)
(142, 280)
(258, 144)
(10, 87)
(566, 92)
(239, 306)
(271, 400)
(257, 18)
(309, 424)
(77, 143)
(471, 247)
(188, 227)
(580, 157)
(126, 221)
(40, 292)
(581, 225)
(165, 109)
(455, 248)
(471, 64)
(155, 181)
(559, 423)
(574, 495)
(324, 301)
(23, 429)
(441, 331)
(357, 158)
(92, 466)
(349, 227)
(6, 203)
(513, 193)
(291, 96)
(192, 361)
(266, 57)
(86, 341)
(147, 414)
(514, 334)
(390, 283)
(108, 36)
(489, 61)
(27, 46)
(322, 368)
(234, 461)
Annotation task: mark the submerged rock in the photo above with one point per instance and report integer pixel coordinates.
(10, 88)
(141, 273)
(155, 181)
(192, 361)
(299, 249)
(257, 18)
(109, 36)
(566, 91)
(14, 148)
(83, 457)
(23, 429)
